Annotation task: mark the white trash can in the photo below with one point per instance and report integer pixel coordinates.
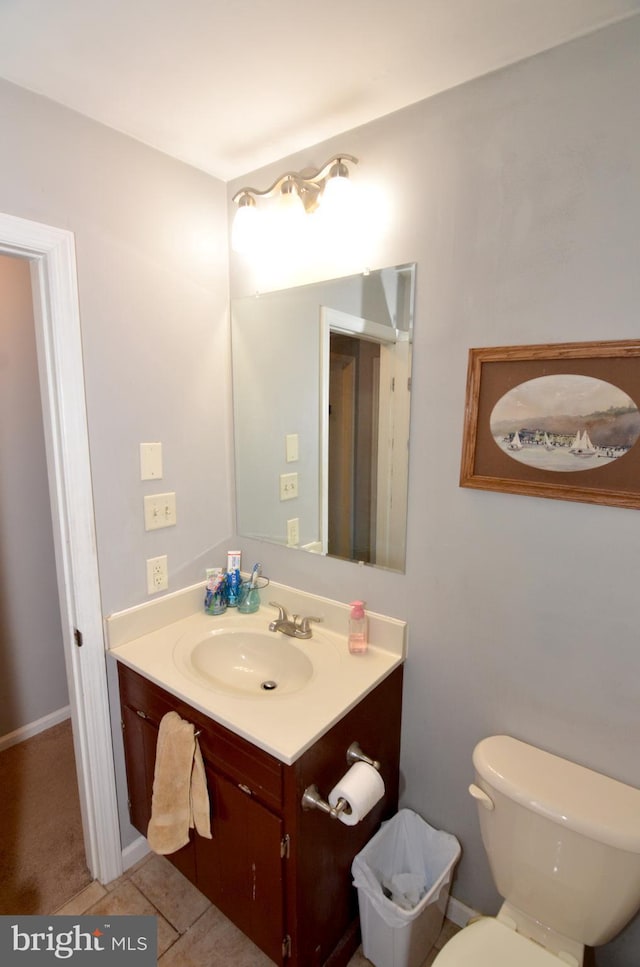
(403, 876)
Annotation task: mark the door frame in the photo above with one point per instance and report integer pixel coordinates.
(51, 254)
(340, 458)
(335, 320)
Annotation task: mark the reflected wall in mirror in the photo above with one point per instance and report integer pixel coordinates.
(321, 386)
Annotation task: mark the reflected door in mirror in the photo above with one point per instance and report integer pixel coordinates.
(354, 375)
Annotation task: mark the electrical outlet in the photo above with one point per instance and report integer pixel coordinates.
(159, 511)
(157, 574)
(288, 486)
(293, 532)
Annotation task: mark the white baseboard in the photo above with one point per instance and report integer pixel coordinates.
(33, 728)
(459, 913)
(134, 852)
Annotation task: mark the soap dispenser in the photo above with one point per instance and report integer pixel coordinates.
(357, 628)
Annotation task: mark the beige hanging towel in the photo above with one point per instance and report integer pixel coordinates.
(180, 799)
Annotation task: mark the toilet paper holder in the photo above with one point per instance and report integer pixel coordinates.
(355, 754)
(311, 798)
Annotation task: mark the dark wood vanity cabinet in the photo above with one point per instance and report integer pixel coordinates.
(281, 873)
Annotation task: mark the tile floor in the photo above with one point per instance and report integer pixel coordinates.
(191, 931)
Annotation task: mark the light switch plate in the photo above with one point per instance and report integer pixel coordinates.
(288, 486)
(291, 446)
(159, 511)
(150, 461)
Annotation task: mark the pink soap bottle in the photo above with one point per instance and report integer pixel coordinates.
(357, 628)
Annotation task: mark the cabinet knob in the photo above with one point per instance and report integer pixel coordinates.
(244, 788)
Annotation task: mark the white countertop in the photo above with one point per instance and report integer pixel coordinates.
(284, 725)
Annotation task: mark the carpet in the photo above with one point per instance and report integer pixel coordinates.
(42, 854)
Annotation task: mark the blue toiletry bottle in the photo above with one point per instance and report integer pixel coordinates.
(233, 587)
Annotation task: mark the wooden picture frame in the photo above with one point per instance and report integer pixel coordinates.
(528, 408)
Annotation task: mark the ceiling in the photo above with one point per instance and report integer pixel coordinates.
(231, 85)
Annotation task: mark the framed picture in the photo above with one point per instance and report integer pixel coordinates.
(557, 421)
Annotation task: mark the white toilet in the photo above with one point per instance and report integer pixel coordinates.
(563, 844)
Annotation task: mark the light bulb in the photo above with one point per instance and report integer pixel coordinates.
(288, 220)
(290, 209)
(246, 227)
(337, 195)
(337, 219)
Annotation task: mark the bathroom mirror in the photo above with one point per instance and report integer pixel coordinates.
(321, 387)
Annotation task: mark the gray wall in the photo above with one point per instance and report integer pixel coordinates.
(151, 249)
(276, 379)
(33, 681)
(517, 195)
(152, 275)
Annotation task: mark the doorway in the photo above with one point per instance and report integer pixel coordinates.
(364, 438)
(41, 842)
(51, 256)
(354, 377)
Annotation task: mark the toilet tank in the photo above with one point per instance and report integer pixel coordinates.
(563, 842)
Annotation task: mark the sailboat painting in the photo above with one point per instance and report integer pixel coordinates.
(565, 423)
(582, 445)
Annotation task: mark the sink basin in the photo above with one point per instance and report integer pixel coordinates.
(243, 662)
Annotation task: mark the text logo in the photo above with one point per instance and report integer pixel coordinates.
(81, 941)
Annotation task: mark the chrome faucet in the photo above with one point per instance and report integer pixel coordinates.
(294, 626)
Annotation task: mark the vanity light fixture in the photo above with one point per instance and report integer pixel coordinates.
(300, 193)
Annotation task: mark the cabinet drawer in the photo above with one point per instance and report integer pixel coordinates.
(253, 769)
(256, 771)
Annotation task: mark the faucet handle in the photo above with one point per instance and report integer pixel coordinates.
(282, 616)
(303, 623)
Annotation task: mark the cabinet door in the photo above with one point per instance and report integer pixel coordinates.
(241, 868)
(140, 738)
(140, 734)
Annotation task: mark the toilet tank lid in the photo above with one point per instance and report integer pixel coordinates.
(569, 794)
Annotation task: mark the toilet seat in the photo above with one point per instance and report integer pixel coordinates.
(489, 943)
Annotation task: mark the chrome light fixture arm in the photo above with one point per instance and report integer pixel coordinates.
(308, 184)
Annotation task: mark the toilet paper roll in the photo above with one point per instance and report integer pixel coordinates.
(362, 787)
